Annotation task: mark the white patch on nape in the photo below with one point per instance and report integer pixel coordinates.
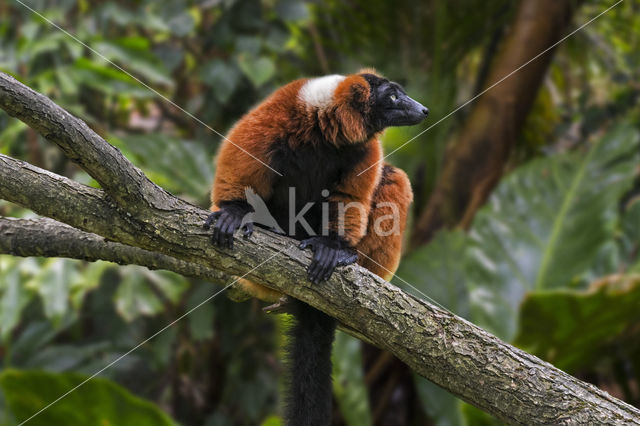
(318, 92)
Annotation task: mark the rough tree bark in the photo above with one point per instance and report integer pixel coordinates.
(131, 211)
(49, 238)
(475, 162)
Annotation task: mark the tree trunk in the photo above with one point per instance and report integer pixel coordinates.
(474, 164)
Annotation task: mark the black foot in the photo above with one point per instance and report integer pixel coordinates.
(327, 254)
(227, 221)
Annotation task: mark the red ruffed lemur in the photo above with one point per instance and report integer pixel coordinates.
(321, 135)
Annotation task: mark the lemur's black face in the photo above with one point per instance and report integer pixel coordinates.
(391, 106)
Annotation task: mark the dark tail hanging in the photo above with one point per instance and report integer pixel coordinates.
(308, 394)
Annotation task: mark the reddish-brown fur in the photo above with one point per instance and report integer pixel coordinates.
(381, 254)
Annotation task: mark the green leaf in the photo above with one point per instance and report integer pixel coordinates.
(59, 358)
(134, 43)
(258, 70)
(98, 402)
(248, 45)
(134, 296)
(169, 283)
(135, 61)
(13, 298)
(34, 338)
(86, 281)
(51, 43)
(105, 70)
(53, 284)
(550, 217)
(222, 77)
(123, 16)
(553, 323)
(108, 79)
(476, 417)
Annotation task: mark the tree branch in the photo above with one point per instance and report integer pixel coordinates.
(453, 353)
(50, 238)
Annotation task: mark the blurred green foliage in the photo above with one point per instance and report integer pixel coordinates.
(555, 248)
(103, 402)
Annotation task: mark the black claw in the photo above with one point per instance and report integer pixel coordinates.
(304, 244)
(316, 264)
(232, 229)
(218, 231)
(327, 254)
(216, 234)
(247, 229)
(332, 265)
(228, 230)
(227, 221)
(347, 257)
(210, 219)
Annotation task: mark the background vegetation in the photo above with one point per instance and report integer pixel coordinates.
(551, 261)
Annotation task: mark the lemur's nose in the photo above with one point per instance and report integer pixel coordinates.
(425, 111)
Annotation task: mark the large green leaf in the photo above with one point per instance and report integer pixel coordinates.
(545, 225)
(574, 328)
(98, 402)
(546, 221)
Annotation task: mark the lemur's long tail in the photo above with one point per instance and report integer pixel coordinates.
(308, 396)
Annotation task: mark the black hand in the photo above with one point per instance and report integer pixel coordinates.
(327, 254)
(227, 221)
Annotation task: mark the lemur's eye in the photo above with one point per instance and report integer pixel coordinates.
(393, 97)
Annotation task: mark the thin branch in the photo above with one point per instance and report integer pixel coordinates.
(453, 353)
(49, 238)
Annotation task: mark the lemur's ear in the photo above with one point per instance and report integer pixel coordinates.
(353, 90)
(351, 103)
